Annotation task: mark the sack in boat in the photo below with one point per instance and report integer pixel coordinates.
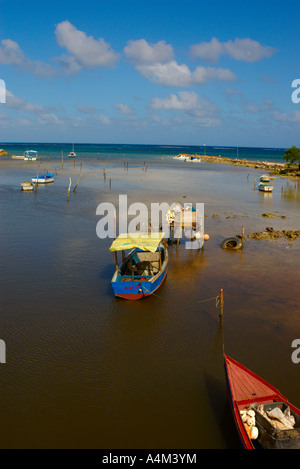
(277, 414)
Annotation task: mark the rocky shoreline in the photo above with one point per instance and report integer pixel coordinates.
(270, 233)
(276, 168)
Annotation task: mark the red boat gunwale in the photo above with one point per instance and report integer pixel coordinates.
(245, 388)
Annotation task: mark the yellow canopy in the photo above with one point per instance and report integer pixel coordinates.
(144, 241)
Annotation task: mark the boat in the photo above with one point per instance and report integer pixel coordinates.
(185, 157)
(3, 152)
(43, 179)
(275, 421)
(143, 270)
(188, 219)
(72, 154)
(266, 183)
(265, 187)
(193, 159)
(30, 155)
(17, 157)
(26, 186)
(180, 157)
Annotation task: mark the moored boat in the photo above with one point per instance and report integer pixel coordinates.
(263, 416)
(43, 179)
(143, 269)
(265, 187)
(185, 157)
(72, 153)
(17, 157)
(30, 155)
(266, 183)
(26, 186)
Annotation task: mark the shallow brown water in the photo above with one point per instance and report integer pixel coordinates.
(87, 370)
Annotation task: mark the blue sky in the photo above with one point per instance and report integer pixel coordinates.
(176, 72)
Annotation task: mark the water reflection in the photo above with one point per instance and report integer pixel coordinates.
(291, 191)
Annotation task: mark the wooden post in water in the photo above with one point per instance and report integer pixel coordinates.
(36, 184)
(243, 235)
(77, 182)
(221, 303)
(69, 189)
(62, 159)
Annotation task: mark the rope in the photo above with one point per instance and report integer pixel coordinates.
(217, 299)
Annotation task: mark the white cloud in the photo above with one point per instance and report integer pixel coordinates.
(14, 102)
(156, 63)
(86, 109)
(49, 118)
(209, 51)
(124, 109)
(102, 119)
(247, 50)
(86, 51)
(12, 54)
(190, 105)
(141, 52)
(291, 117)
(184, 101)
(173, 74)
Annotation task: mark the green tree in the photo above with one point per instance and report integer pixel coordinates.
(292, 155)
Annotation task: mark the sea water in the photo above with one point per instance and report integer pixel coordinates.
(87, 370)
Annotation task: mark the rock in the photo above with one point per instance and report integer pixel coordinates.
(270, 233)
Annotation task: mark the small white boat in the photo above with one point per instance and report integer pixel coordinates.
(30, 155)
(266, 183)
(17, 157)
(180, 157)
(265, 187)
(191, 158)
(26, 186)
(44, 179)
(72, 154)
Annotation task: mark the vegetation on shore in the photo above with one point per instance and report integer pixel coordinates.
(292, 156)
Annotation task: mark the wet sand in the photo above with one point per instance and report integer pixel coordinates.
(85, 370)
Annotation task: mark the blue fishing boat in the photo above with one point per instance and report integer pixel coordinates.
(143, 269)
(43, 179)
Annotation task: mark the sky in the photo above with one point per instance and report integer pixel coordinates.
(165, 72)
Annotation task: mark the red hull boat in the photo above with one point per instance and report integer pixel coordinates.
(253, 398)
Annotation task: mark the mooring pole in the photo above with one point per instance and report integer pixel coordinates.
(221, 303)
(69, 189)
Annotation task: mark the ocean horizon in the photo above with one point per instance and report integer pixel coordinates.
(145, 151)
